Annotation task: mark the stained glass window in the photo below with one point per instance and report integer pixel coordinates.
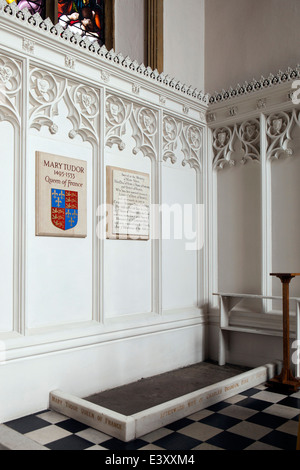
(85, 17)
(37, 6)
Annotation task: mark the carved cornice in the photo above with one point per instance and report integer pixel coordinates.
(248, 88)
(76, 42)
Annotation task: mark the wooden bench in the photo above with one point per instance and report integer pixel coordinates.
(227, 301)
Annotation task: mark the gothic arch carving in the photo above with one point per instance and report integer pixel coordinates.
(278, 129)
(190, 137)
(10, 89)
(143, 120)
(224, 138)
(45, 93)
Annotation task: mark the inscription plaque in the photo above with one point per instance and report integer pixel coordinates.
(128, 204)
(61, 196)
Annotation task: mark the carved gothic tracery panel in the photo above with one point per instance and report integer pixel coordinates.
(176, 131)
(224, 139)
(45, 93)
(143, 120)
(10, 88)
(279, 127)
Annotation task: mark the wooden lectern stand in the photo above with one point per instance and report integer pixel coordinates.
(285, 380)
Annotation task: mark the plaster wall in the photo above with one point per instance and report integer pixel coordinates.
(246, 39)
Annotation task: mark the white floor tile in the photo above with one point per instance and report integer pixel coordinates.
(201, 414)
(250, 430)
(269, 396)
(200, 431)
(283, 411)
(52, 417)
(261, 446)
(290, 427)
(47, 434)
(93, 435)
(155, 435)
(239, 412)
(151, 447)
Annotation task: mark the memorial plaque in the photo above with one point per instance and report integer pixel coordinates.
(128, 204)
(61, 196)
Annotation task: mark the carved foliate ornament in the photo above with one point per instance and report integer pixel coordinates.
(224, 138)
(279, 126)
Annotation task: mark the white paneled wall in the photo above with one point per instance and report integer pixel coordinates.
(87, 314)
(7, 165)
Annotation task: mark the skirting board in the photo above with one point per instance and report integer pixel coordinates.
(128, 428)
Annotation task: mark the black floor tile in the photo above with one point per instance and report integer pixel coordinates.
(181, 423)
(281, 440)
(176, 441)
(71, 442)
(72, 426)
(250, 392)
(254, 404)
(290, 401)
(218, 406)
(27, 424)
(116, 444)
(267, 419)
(220, 421)
(229, 441)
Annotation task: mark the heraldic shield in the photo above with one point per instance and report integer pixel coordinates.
(64, 208)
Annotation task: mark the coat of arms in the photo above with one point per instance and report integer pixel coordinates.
(64, 208)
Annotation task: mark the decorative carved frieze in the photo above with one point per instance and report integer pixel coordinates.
(192, 146)
(10, 89)
(249, 136)
(45, 93)
(171, 132)
(256, 85)
(28, 45)
(105, 76)
(189, 136)
(224, 138)
(223, 146)
(143, 121)
(11, 11)
(279, 127)
(70, 62)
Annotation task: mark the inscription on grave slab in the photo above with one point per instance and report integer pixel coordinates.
(128, 203)
(61, 196)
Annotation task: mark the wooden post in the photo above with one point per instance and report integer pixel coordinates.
(285, 380)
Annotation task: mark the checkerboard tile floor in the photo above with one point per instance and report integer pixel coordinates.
(257, 419)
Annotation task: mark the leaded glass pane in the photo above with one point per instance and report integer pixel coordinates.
(37, 6)
(85, 17)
